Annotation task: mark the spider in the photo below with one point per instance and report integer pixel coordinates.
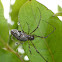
(22, 36)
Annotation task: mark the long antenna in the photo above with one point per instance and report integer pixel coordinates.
(38, 22)
(48, 34)
(38, 52)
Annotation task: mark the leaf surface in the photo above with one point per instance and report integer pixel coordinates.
(15, 10)
(8, 56)
(50, 48)
(59, 11)
(4, 31)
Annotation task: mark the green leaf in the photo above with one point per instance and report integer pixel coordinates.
(59, 11)
(58, 14)
(15, 10)
(14, 17)
(51, 47)
(6, 56)
(4, 31)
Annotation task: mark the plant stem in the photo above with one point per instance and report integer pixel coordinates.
(10, 49)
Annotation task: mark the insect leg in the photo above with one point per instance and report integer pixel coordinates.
(20, 26)
(38, 52)
(29, 47)
(28, 28)
(38, 22)
(48, 34)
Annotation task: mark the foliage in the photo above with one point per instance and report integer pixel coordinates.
(50, 48)
(59, 11)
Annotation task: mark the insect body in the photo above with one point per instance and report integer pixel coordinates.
(19, 35)
(22, 36)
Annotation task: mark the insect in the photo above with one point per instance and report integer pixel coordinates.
(22, 36)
